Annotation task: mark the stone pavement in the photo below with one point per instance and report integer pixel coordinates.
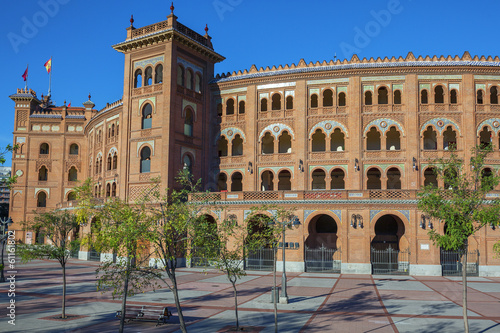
(318, 302)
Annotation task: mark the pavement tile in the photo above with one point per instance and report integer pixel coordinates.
(305, 282)
(349, 323)
(401, 285)
(433, 325)
(428, 308)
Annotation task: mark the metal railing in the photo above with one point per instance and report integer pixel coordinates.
(451, 263)
(390, 261)
(260, 260)
(323, 260)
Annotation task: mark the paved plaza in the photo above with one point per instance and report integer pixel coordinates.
(318, 302)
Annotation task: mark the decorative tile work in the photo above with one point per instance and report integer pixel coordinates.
(150, 142)
(328, 126)
(329, 168)
(493, 123)
(188, 103)
(384, 78)
(383, 125)
(276, 85)
(187, 64)
(230, 171)
(342, 89)
(406, 213)
(440, 77)
(373, 213)
(487, 77)
(276, 130)
(454, 86)
(313, 91)
(276, 170)
(368, 88)
(150, 61)
(337, 213)
(307, 213)
(232, 91)
(480, 86)
(229, 133)
(440, 124)
(340, 80)
(217, 213)
(383, 166)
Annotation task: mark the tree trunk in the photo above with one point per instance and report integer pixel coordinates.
(236, 305)
(177, 301)
(464, 290)
(63, 315)
(124, 300)
(274, 292)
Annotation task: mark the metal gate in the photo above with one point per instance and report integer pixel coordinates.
(197, 260)
(323, 260)
(451, 263)
(94, 255)
(260, 260)
(390, 261)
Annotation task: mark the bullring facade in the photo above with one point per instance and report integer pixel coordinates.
(346, 143)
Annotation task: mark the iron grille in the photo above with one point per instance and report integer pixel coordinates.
(451, 263)
(323, 259)
(260, 260)
(390, 261)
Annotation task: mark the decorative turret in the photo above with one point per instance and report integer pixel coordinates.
(89, 105)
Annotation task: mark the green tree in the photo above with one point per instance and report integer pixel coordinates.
(461, 205)
(58, 226)
(122, 230)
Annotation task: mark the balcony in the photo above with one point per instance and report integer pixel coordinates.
(281, 157)
(439, 107)
(383, 108)
(376, 154)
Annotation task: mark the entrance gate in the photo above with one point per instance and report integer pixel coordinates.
(323, 260)
(390, 261)
(198, 261)
(451, 263)
(94, 255)
(260, 260)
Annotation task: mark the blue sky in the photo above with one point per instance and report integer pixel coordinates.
(78, 35)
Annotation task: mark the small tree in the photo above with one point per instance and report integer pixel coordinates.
(122, 230)
(58, 226)
(461, 205)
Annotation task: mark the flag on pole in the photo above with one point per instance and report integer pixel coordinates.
(69, 105)
(25, 75)
(48, 65)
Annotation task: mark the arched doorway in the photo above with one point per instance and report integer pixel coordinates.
(263, 258)
(389, 247)
(451, 260)
(322, 253)
(198, 259)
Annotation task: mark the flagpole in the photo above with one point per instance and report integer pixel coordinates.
(26, 82)
(50, 74)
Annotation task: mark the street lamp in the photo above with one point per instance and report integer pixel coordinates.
(292, 222)
(4, 224)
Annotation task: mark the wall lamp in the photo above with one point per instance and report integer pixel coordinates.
(415, 167)
(423, 219)
(301, 166)
(492, 225)
(356, 164)
(250, 167)
(356, 221)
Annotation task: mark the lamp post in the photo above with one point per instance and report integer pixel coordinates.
(5, 223)
(292, 222)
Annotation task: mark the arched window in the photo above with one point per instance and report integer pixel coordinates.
(342, 99)
(268, 144)
(147, 116)
(187, 163)
(100, 190)
(108, 189)
(327, 97)
(109, 132)
(383, 95)
(318, 141)
(337, 182)
(145, 160)
(148, 76)
(284, 181)
(486, 180)
(109, 162)
(479, 97)
(41, 200)
(453, 96)
(318, 180)
(397, 97)
(393, 139)
(189, 79)
(138, 78)
(97, 165)
(263, 104)
(430, 177)
(314, 101)
(449, 138)
(373, 139)
(241, 107)
(188, 123)
(493, 95)
(113, 190)
(337, 142)
(43, 173)
(112, 130)
(236, 182)
(285, 143)
(430, 139)
(267, 181)
(289, 102)
(71, 196)
(115, 161)
(393, 179)
(73, 149)
(222, 146)
(219, 109)
(180, 75)
(197, 83)
(230, 106)
(72, 174)
(159, 74)
(44, 149)
(373, 179)
(438, 95)
(368, 97)
(485, 137)
(222, 182)
(423, 97)
(237, 146)
(276, 102)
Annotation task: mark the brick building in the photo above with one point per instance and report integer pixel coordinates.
(347, 143)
